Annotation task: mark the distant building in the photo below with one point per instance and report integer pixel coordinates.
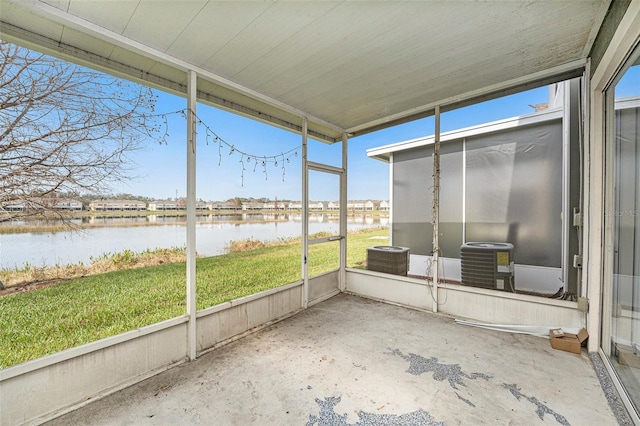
(117, 205)
(221, 205)
(160, 205)
(252, 206)
(67, 204)
(356, 205)
(14, 206)
(37, 203)
(181, 203)
(274, 206)
(317, 206)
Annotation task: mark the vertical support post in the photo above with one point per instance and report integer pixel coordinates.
(436, 209)
(595, 240)
(584, 181)
(305, 217)
(464, 191)
(342, 281)
(191, 215)
(391, 162)
(567, 217)
(604, 101)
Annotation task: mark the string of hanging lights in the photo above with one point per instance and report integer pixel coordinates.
(211, 137)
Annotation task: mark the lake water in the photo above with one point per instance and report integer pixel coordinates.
(213, 234)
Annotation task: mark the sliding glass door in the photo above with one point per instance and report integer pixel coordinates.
(621, 330)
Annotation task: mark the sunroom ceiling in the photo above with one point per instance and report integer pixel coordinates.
(347, 66)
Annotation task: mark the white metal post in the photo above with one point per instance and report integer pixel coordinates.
(464, 191)
(342, 281)
(567, 217)
(390, 199)
(191, 215)
(436, 209)
(305, 216)
(584, 180)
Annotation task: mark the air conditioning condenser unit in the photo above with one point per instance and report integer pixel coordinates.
(389, 259)
(488, 265)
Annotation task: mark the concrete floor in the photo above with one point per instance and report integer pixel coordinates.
(354, 361)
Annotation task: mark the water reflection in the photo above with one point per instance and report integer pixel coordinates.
(118, 220)
(213, 234)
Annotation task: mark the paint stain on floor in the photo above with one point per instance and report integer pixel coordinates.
(329, 417)
(541, 409)
(451, 372)
(419, 365)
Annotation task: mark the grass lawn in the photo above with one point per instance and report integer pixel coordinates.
(75, 312)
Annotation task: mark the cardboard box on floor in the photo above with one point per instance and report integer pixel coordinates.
(568, 341)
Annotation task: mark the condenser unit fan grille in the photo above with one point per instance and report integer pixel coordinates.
(478, 268)
(388, 259)
(487, 265)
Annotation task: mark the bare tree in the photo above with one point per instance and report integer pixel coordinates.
(64, 129)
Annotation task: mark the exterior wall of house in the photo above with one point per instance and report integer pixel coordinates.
(517, 181)
(487, 194)
(412, 199)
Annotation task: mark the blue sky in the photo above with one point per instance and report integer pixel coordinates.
(161, 168)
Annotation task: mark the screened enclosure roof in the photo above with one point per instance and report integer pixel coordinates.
(347, 66)
(384, 153)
